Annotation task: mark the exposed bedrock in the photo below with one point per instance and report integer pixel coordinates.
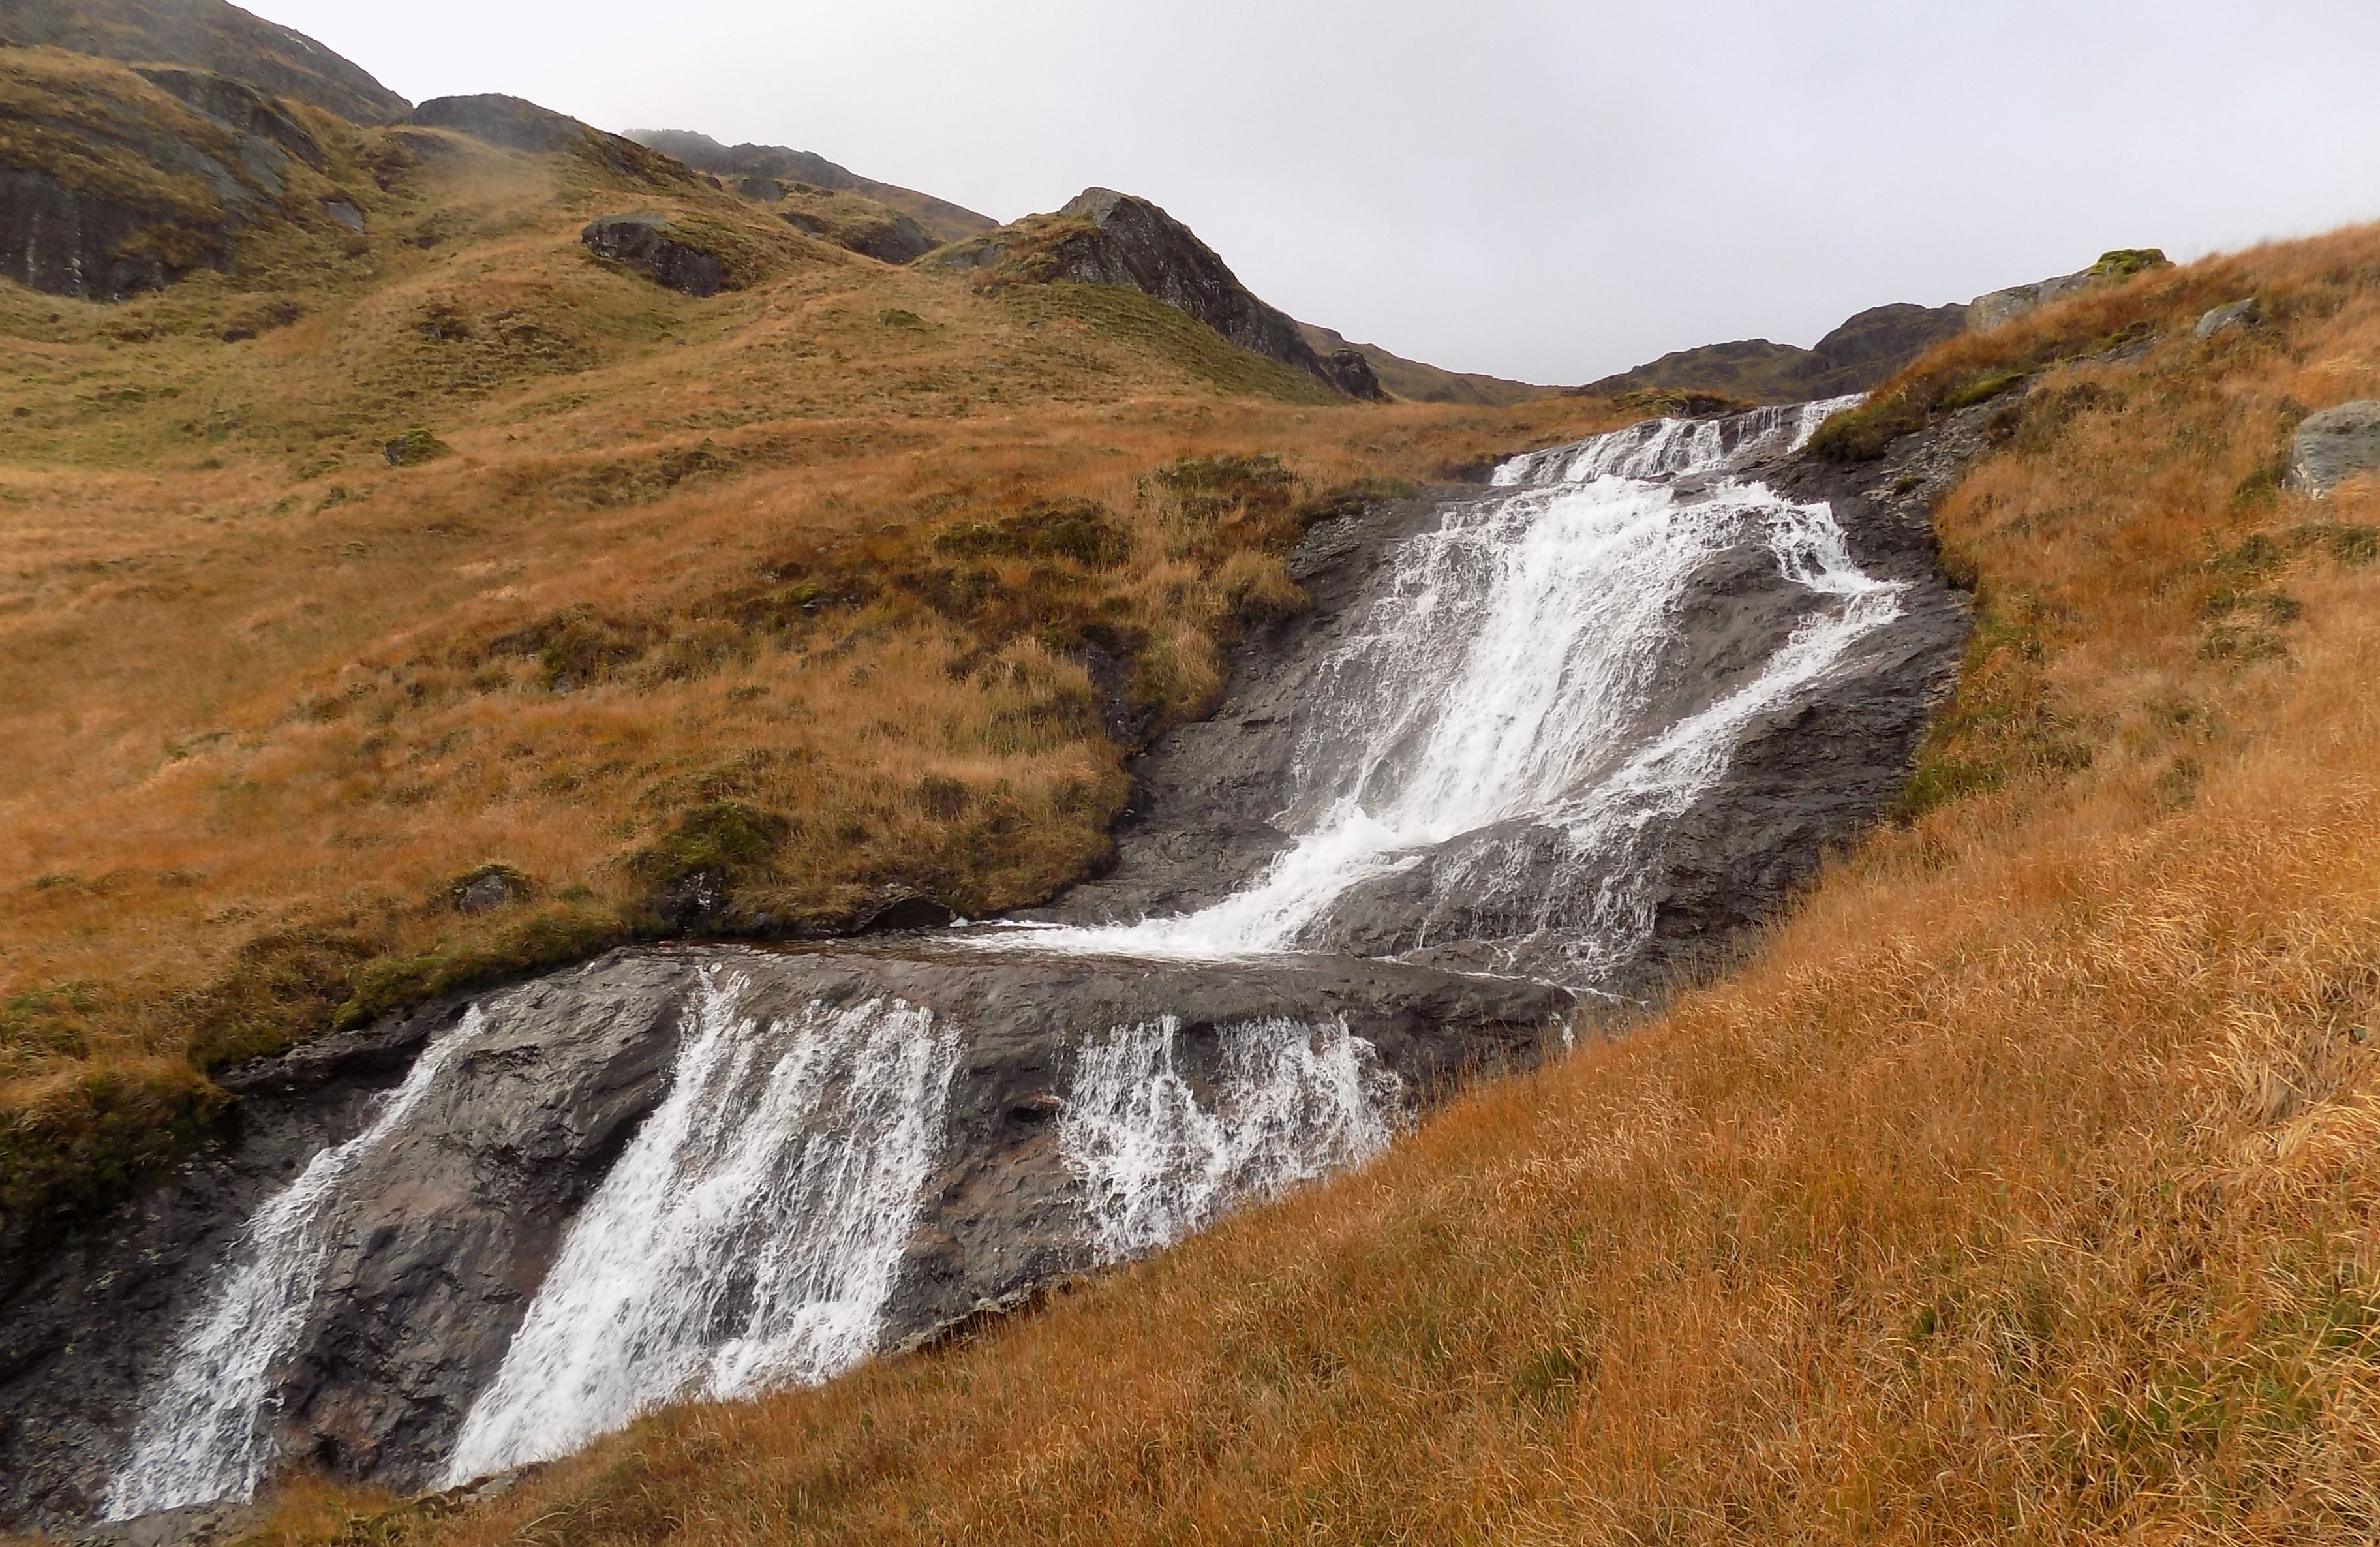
(436, 1247)
(483, 1232)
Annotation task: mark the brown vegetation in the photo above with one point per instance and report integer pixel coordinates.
(2021, 1186)
(384, 558)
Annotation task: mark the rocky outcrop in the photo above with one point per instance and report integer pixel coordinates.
(651, 245)
(1101, 236)
(139, 179)
(2334, 445)
(444, 1242)
(1805, 779)
(447, 1235)
(768, 166)
(2002, 307)
(2224, 319)
(1351, 371)
(517, 123)
(211, 36)
(851, 221)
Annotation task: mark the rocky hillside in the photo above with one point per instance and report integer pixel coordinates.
(1417, 383)
(1860, 355)
(515, 544)
(207, 35)
(777, 165)
(1101, 236)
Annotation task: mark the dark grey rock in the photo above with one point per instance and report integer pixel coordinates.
(2334, 445)
(1123, 241)
(513, 123)
(453, 1229)
(2223, 319)
(1351, 371)
(237, 106)
(66, 242)
(450, 1233)
(647, 244)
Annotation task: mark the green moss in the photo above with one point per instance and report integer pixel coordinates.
(415, 446)
(2125, 262)
(722, 837)
(91, 1144)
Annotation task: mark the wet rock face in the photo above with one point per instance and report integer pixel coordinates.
(445, 1237)
(645, 243)
(449, 1242)
(64, 241)
(1218, 801)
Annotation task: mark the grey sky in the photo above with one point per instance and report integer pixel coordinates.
(1539, 189)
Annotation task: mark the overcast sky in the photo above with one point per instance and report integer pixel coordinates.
(1539, 189)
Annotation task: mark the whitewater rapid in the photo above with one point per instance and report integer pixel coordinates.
(1502, 692)
(1500, 687)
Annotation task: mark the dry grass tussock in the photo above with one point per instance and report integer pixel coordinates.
(853, 584)
(2021, 1186)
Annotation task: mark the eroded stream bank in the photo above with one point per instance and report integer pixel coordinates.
(1535, 744)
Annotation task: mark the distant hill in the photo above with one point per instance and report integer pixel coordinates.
(1417, 383)
(211, 35)
(1860, 355)
(945, 221)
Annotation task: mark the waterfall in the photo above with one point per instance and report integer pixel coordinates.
(1499, 736)
(748, 1239)
(201, 1435)
(1496, 697)
(1291, 1102)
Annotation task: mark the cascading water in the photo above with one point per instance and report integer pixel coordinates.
(202, 1435)
(749, 1237)
(1293, 1102)
(1495, 739)
(1498, 697)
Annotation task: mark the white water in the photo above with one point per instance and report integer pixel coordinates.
(1502, 684)
(1291, 1102)
(202, 1435)
(1498, 696)
(748, 1239)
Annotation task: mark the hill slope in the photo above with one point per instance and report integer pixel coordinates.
(378, 562)
(207, 35)
(1860, 355)
(946, 221)
(2021, 1185)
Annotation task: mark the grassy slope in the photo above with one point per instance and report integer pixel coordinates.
(684, 593)
(2021, 1186)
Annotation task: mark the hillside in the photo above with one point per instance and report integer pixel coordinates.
(207, 35)
(945, 221)
(2019, 1184)
(1863, 354)
(1417, 383)
(357, 567)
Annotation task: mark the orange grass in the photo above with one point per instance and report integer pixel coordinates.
(2021, 1186)
(266, 696)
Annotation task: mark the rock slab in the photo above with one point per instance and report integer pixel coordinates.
(2334, 445)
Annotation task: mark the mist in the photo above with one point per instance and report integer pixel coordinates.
(1543, 190)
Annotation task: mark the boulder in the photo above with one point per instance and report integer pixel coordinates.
(1351, 371)
(2334, 445)
(2002, 307)
(649, 244)
(2222, 319)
